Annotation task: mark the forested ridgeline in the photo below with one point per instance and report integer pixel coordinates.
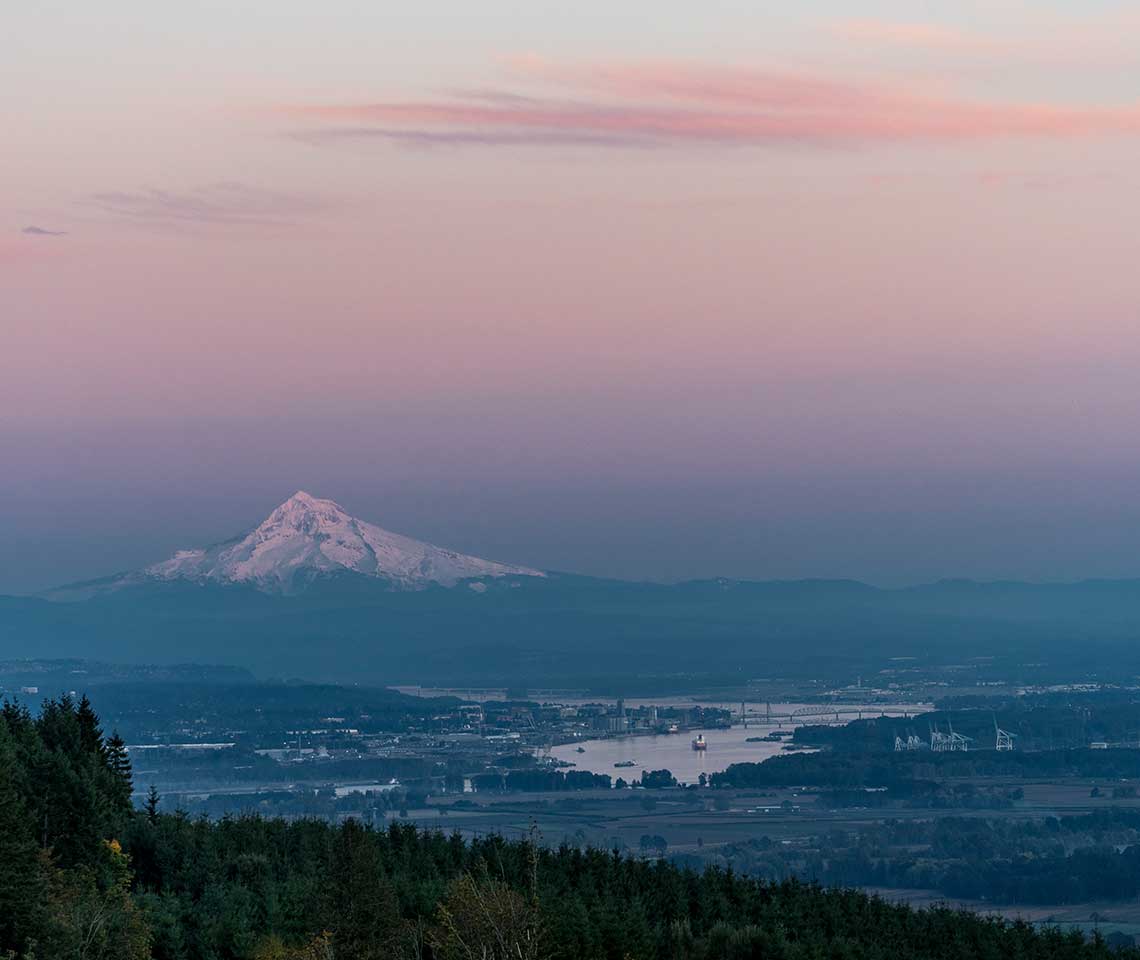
(83, 876)
(906, 768)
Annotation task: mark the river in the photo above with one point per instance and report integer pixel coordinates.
(675, 752)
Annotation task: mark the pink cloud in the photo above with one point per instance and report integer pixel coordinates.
(663, 103)
(1096, 42)
(927, 36)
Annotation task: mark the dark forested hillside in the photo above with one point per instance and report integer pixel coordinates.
(84, 876)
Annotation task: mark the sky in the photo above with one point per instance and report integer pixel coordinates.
(650, 290)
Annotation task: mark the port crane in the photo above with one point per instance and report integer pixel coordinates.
(1003, 739)
(910, 743)
(948, 742)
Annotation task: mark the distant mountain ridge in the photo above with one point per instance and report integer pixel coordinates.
(565, 630)
(313, 592)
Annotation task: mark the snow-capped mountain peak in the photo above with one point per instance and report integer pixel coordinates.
(307, 536)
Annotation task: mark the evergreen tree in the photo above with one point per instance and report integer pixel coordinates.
(119, 763)
(361, 908)
(22, 873)
(151, 805)
(90, 733)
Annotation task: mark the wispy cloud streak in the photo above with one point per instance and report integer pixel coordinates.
(661, 104)
(221, 203)
(487, 138)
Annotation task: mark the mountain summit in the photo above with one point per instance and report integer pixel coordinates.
(307, 537)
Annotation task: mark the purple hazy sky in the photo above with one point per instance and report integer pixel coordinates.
(656, 290)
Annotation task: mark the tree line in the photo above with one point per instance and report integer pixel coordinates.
(83, 875)
(846, 770)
